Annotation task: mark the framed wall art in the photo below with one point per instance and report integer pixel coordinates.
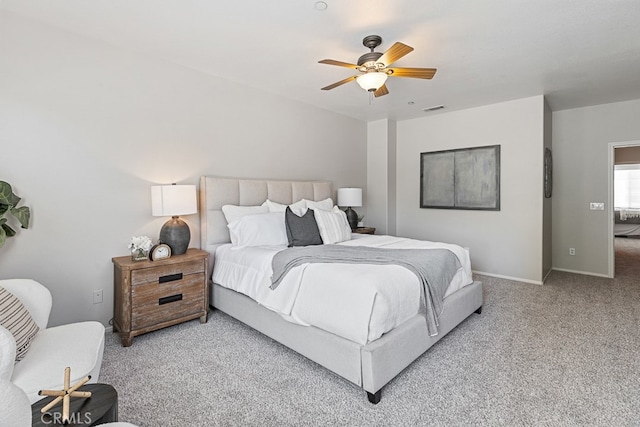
(548, 173)
(465, 178)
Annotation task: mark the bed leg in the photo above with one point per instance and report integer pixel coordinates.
(479, 310)
(375, 397)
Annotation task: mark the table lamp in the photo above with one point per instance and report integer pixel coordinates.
(350, 197)
(174, 200)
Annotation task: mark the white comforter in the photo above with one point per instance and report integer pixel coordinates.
(355, 301)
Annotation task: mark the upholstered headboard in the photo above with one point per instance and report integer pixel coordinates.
(216, 192)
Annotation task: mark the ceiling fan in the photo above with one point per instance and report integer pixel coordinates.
(374, 67)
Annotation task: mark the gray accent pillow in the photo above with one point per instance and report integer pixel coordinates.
(302, 230)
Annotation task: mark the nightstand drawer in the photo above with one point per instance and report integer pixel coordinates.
(154, 303)
(149, 293)
(166, 273)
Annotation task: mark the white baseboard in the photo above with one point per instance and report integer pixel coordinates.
(108, 329)
(517, 279)
(586, 273)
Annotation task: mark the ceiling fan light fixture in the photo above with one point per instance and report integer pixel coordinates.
(371, 81)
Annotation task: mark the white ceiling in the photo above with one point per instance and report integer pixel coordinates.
(575, 52)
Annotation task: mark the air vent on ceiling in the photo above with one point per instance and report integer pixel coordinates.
(434, 108)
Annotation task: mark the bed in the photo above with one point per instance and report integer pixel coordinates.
(369, 364)
(626, 222)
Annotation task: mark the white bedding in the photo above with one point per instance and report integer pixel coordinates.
(357, 302)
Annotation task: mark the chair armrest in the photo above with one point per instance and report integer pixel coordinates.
(7, 354)
(34, 296)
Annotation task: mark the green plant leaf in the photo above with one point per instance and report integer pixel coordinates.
(8, 203)
(10, 232)
(6, 194)
(22, 214)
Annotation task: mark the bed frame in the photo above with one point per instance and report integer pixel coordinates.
(369, 366)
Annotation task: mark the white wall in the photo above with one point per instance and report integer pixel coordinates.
(86, 129)
(381, 176)
(503, 243)
(581, 138)
(392, 178)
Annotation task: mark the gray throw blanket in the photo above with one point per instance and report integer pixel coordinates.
(434, 268)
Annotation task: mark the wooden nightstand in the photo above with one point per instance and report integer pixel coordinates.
(364, 230)
(151, 295)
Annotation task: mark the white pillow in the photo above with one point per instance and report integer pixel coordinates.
(298, 207)
(325, 205)
(333, 225)
(267, 229)
(233, 212)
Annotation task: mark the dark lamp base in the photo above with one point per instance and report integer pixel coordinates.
(352, 217)
(176, 234)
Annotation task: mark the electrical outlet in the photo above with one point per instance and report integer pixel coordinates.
(97, 296)
(572, 251)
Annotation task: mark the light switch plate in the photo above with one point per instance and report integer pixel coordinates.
(596, 206)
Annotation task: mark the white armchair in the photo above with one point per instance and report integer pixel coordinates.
(16, 410)
(77, 345)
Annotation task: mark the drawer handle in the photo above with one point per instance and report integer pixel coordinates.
(170, 278)
(172, 298)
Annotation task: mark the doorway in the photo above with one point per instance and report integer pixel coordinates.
(631, 150)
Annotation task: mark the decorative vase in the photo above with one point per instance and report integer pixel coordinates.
(139, 255)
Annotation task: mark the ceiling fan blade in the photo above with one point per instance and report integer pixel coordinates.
(382, 90)
(341, 82)
(395, 52)
(416, 73)
(338, 63)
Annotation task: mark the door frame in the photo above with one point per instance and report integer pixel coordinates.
(610, 211)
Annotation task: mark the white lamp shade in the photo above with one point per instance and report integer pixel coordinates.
(371, 81)
(173, 200)
(351, 197)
